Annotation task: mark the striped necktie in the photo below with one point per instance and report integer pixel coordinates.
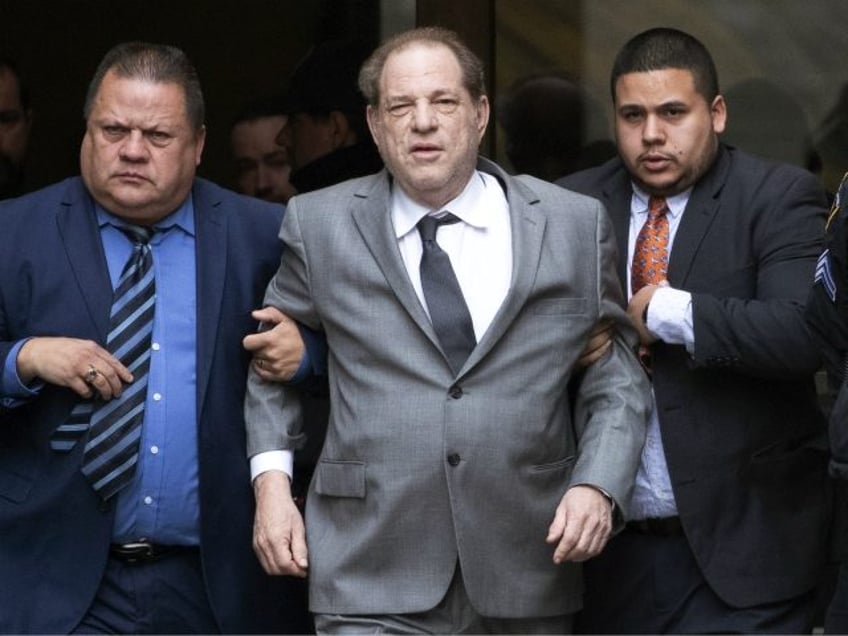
(448, 311)
(111, 451)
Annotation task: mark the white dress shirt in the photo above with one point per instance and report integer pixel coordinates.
(480, 247)
(480, 251)
(670, 318)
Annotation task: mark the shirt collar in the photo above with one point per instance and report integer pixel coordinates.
(676, 204)
(182, 217)
(469, 205)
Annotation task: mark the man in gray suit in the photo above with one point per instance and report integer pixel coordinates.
(460, 482)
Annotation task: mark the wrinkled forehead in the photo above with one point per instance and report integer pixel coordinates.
(421, 67)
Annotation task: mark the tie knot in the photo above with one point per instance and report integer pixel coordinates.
(657, 207)
(138, 233)
(429, 225)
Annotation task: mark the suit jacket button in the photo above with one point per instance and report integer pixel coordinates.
(454, 459)
(455, 391)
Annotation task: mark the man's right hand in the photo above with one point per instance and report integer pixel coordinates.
(81, 365)
(279, 537)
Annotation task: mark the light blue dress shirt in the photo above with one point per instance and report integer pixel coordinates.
(161, 504)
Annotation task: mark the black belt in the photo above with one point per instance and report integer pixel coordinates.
(657, 526)
(144, 552)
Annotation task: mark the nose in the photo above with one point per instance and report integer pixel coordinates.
(264, 185)
(424, 116)
(652, 131)
(134, 147)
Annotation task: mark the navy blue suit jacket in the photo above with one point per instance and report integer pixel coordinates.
(54, 533)
(744, 439)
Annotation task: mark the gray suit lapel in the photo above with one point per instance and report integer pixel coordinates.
(372, 217)
(373, 220)
(528, 230)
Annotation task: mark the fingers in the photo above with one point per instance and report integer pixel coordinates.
(277, 350)
(581, 526)
(269, 316)
(81, 365)
(279, 537)
(107, 377)
(636, 312)
(595, 349)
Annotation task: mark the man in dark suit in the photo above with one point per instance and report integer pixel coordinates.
(731, 507)
(166, 546)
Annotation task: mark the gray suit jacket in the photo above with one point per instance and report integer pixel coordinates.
(421, 468)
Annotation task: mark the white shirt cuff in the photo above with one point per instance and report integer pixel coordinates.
(670, 317)
(272, 460)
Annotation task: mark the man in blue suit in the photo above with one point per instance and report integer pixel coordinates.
(170, 550)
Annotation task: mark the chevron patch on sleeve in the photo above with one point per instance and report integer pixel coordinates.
(824, 275)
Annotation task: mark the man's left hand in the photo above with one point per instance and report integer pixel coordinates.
(636, 311)
(278, 349)
(582, 524)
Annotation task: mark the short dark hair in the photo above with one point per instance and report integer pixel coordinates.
(664, 48)
(157, 63)
(472, 67)
(260, 108)
(23, 90)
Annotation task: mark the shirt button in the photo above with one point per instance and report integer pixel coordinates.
(454, 459)
(157, 397)
(154, 450)
(148, 500)
(455, 391)
(155, 346)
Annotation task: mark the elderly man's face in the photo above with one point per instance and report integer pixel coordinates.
(140, 151)
(427, 127)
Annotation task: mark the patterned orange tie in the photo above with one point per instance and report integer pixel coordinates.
(650, 255)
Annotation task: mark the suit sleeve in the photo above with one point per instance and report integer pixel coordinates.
(612, 399)
(272, 410)
(766, 335)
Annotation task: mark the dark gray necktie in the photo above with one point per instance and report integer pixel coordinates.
(445, 302)
(114, 430)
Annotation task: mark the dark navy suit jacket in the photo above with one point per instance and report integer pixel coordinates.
(54, 533)
(744, 439)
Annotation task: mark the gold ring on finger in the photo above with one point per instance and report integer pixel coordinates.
(91, 374)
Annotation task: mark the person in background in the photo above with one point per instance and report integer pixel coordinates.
(827, 315)
(327, 140)
(125, 502)
(731, 512)
(262, 166)
(463, 477)
(326, 135)
(15, 125)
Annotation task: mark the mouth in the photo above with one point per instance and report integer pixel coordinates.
(425, 152)
(130, 177)
(655, 161)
